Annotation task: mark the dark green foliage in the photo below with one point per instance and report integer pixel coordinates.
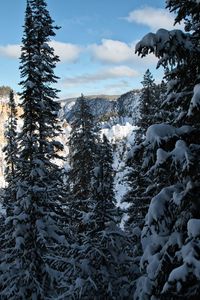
(137, 198)
(147, 101)
(32, 243)
(170, 243)
(11, 156)
(150, 102)
(83, 151)
(105, 208)
(99, 266)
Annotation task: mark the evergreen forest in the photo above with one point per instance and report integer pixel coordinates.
(61, 236)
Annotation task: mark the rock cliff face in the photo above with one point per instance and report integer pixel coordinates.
(105, 107)
(3, 118)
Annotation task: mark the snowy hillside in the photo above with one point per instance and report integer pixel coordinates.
(105, 107)
(116, 117)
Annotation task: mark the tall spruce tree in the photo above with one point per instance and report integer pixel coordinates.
(170, 237)
(10, 151)
(30, 265)
(83, 151)
(141, 185)
(137, 197)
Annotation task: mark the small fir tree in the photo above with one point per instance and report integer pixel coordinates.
(11, 155)
(147, 106)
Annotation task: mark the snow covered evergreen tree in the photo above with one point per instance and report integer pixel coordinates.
(170, 237)
(136, 197)
(30, 259)
(148, 103)
(10, 151)
(83, 151)
(100, 266)
(104, 187)
(141, 185)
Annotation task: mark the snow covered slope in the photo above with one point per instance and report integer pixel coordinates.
(117, 116)
(105, 107)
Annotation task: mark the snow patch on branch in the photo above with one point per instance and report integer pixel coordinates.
(195, 102)
(193, 228)
(158, 133)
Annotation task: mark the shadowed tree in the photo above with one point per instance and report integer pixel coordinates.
(11, 156)
(30, 260)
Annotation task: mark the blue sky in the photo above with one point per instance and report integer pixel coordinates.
(95, 43)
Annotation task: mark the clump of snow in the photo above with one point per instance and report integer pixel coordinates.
(158, 205)
(195, 102)
(159, 132)
(182, 154)
(161, 156)
(161, 207)
(193, 228)
(148, 40)
(185, 129)
(162, 41)
(179, 273)
(178, 197)
(153, 266)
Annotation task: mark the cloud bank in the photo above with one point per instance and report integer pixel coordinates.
(112, 51)
(101, 75)
(154, 18)
(67, 52)
(10, 51)
(117, 52)
(107, 52)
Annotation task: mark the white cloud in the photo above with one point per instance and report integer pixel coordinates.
(107, 52)
(66, 51)
(101, 75)
(112, 51)
(154, 18)
(120, 71)
(116, 88)
(118, 52)
(10, 51)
